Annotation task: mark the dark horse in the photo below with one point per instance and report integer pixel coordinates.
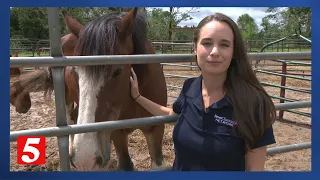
(102, 93)
(19, 98)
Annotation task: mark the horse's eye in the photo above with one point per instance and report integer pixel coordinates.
(117, 73)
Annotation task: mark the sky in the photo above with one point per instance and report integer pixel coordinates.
(257, 13)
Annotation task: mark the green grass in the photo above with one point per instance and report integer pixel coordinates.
(252, 50)
(29, 53)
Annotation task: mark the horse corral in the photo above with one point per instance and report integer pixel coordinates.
(42, 114)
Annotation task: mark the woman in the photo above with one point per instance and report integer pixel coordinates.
(225, 115)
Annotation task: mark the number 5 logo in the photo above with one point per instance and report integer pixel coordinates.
(31, 150)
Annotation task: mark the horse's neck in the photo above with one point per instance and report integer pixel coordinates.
(149, 47)
(144, 71)
(141, 72)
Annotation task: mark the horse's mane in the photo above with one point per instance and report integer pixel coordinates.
(98, 37)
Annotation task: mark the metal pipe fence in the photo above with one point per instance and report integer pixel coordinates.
(179, 65)
(182, 46)
(176, 76)
(58, 61)
(285, 99)
(251, 45)
(280, 74)
(114, 125)
(94, 127)
(133, 59)
(58, 83)
(286, 87)
(292, 62)
(284, 74)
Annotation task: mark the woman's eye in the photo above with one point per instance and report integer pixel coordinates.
(206, 44)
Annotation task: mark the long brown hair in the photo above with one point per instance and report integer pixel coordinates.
(254, 110)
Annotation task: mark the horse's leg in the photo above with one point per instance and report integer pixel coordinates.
(120, 142)
(71, 119)
(154, 137)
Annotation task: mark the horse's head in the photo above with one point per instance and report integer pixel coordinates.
(104, 90)
(19, 98)
(14, 54)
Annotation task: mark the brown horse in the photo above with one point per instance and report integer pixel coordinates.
(19, 98)
(15, 71)
(103, 92)
(40, 79)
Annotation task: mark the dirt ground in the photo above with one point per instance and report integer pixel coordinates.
(42, 114)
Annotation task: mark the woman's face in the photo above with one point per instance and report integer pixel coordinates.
(214, 48)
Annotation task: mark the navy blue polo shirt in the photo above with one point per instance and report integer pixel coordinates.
(206, 140)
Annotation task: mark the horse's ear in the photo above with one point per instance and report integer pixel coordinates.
(126, 23)
(15, 53)
(72, 24)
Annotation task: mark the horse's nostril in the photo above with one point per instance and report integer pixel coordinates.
(22, 110)
(100, 161)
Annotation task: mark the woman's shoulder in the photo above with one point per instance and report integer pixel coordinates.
(190, 81)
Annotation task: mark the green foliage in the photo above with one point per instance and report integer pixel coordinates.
(248, 27)
(32, 23)
(29, 22)
(160, 22)
(282, 22)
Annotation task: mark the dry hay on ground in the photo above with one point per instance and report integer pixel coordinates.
(42, 114)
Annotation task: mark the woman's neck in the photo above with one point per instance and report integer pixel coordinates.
(212, 89)
(213, 83)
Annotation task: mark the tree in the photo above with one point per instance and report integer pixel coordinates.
(29, 22)
(291, 20)
(161, 22)
(33, 22)
(184, 35)
(270, 30)
(248, 27)
(14, 23)
(158, 23)
(177, 16)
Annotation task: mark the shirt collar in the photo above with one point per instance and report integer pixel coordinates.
(195, 93)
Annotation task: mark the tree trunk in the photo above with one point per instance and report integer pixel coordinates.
(170, 24)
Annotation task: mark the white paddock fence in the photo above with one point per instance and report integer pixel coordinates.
(57, 61)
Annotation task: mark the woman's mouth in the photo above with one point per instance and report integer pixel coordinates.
(213, 62)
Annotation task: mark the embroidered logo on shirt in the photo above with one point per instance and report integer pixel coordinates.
(224, 120)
